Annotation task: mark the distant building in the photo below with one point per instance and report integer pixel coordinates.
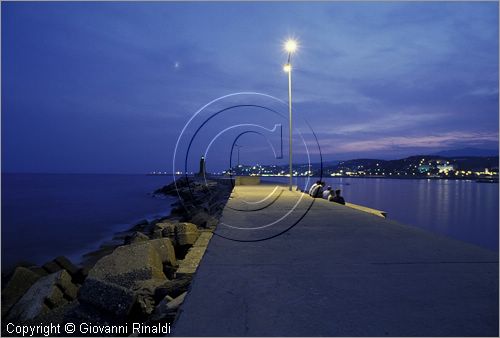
(443, 168)
(424, 168)
(202, 171)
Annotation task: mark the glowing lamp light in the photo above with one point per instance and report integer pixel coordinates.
(291, 46)
(287, 67)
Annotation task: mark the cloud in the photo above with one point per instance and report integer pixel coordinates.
(421, 142)
(385, 123)
(485, 91)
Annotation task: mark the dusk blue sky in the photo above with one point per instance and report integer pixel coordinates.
(107, 87)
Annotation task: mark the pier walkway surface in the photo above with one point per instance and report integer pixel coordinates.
(337, 272)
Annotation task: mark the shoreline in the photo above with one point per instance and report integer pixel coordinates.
(395, 177)
(141, 274)
(48, 215)
(108, 236)
(390, 178)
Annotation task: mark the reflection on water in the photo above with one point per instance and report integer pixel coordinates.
(464, 210)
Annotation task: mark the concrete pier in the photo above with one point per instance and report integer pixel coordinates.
(337, 272)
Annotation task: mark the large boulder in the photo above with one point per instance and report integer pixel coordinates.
(170, 271)
(173, 288)
(167, 307)
(66, 264)
(60, 263)
(167, 229)
(181, 233)
(180, 210)
(51, 267)
(145, 294)
(165, 250)
(107, 296)
(81, 274)
(186, 233)
(171, 189)
(21, 280)
(186, 193)
(59, 315)
(136, 237)
(38, 270)
(128, 275)
(128, 264)
(204, 220)
(47, 293)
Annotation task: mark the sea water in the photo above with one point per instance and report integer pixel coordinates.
(47, 215)
(460, 209)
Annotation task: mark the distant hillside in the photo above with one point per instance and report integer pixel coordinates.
(413, 166)
(467, 152)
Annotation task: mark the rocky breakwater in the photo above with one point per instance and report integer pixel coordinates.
(142, 279)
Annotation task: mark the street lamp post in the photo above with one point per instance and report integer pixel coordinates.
(238, 147)
(290, 47)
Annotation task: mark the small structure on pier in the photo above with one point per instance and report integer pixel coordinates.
(202, 172)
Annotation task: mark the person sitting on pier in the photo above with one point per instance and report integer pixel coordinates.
(327, 192)
(313, 187)
(317, 190)
(337, 198)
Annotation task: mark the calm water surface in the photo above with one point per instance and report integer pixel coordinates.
(464, 210)
(46, 215)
